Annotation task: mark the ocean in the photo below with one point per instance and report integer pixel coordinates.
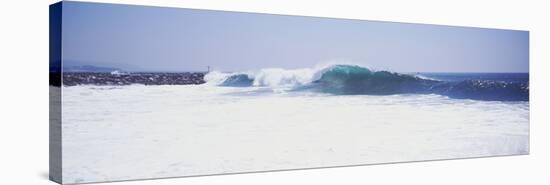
(358, 80)
(276, 119)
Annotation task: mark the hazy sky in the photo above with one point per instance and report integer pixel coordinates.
(140, 38)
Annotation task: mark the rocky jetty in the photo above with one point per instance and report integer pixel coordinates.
(117, 78)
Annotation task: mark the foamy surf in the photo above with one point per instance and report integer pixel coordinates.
(269, 130)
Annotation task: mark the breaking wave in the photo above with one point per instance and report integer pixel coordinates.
(345, 79)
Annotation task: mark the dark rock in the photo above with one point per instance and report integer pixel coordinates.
(103, 78)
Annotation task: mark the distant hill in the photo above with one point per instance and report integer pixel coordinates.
(89, 68)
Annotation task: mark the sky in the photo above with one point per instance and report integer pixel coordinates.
(142, 38)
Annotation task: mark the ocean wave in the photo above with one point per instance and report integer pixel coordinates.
(349, 79)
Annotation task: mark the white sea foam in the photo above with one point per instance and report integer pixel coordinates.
(278, 77)
(216, 77)
(117, 72)
(136, 132)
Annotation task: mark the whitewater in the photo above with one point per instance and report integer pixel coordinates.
(277, 119)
